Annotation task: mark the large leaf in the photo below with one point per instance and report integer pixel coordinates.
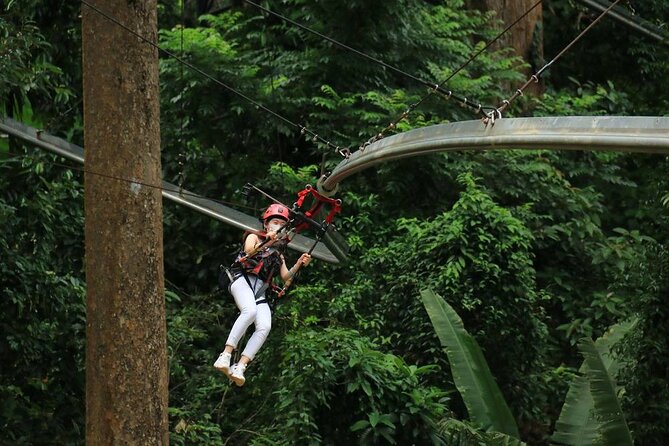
(576, 425)
(612, 425)
(480, 393)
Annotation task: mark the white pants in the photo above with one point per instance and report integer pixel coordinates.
(249, 312)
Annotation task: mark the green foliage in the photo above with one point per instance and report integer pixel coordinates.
(485, 403)
(22, 45)
(226, 141)
(312, 82)
(34, 69)
(335, 386)
(43, 317)
(624, 56)
(478, 256)
(462, 434)
(541, 249)
(647, 395)
(561, 199)
(583, 99)
(195, 387)
(313, 385)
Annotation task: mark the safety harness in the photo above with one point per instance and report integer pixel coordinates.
(266, 262)
(264, 265)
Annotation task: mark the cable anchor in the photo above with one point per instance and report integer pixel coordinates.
(492, 117)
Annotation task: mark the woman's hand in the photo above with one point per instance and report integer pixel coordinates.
(304, 259)
(289, 274)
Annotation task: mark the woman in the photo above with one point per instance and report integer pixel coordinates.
(255, 267)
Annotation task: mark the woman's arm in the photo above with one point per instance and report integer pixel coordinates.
(251, 243)
(288, 274)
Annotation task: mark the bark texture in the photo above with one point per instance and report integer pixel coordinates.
(526, 37)
(126, 358)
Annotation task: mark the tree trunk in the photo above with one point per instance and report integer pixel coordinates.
(126, 358)
(525, 37)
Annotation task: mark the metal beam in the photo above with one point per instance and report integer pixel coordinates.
(623, 16)
(600, 133)
(193, 201)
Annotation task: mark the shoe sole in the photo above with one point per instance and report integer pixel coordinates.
(239, 381)
(225, 370)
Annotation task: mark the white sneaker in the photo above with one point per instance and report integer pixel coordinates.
(223, 363)
(237, 374)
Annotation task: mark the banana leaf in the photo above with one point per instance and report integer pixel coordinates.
(577, 425)
(484, 401)
(612, 425)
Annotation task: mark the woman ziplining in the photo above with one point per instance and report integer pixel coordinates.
(250, 279)
(260, 260)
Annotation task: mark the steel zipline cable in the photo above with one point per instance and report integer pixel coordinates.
(362, 54)
(436, 88)
(345, 152)
(432, 87)
(336, 42)
(497, 113)
(303, 129)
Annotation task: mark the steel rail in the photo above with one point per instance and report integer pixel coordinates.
(589, 133)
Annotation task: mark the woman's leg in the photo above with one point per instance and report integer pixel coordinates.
(263, 324)
(245, 300)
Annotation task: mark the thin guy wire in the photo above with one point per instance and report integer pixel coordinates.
(342, 45)
(130, 181)
(182, 155)
(435, 88)
(303, 129)
(283, 175)
(497, 113)
(430, 85)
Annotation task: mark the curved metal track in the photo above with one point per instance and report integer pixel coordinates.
(333, 249)
(610, 133)
(600, 133)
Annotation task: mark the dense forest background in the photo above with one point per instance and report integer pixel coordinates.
(535, 250)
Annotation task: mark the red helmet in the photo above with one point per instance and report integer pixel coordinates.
(275, 211)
